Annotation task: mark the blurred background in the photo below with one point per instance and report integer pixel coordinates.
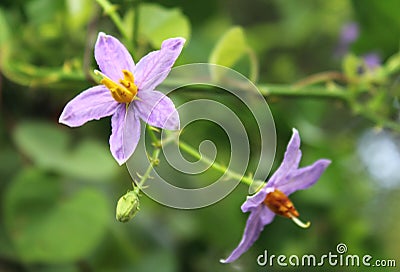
(59, 186)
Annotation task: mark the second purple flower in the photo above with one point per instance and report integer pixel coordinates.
(273, 198)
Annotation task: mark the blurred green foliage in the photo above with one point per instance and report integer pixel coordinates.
(49, 226)
(59, 186)
(157, 23)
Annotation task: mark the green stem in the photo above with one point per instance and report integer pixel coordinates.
(193, 152)
(306, 91)
(153, 158)
(328, 76)
(136, 22)
(326, 92)
(254, 67)
(154, 139)
(153, 162)
(111, 10)
(214, 165)
(31, 75)
(273, 89)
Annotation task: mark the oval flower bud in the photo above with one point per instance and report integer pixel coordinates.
(127, 206)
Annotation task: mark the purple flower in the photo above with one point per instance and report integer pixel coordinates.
(372, 60)
(349, 33)
(272, 198)
(127, 93)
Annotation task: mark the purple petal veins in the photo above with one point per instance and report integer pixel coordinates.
(151, 106)
(153, 68)
(92, 104)
(157, 110)
(112, 56)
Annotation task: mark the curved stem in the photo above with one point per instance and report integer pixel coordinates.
(153, 162)
(254, 66)
(194, 153)
(136, 22)
(322, 77)
(214, 165)
(153, 158)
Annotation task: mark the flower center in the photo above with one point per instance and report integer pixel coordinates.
(280, 204)
(123, 91)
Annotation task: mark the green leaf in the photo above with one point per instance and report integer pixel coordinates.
(91, 160)
(392, 65)
(41, 11)
(46, 225)
(4, 28)
(157, 23)
(49, 147)
(151, 262)
(42, 142)
(377, 19)
(79, 13)
(230, 48)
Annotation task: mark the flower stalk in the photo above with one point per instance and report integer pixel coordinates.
(214, 165)
(247, 180)
(128, 204)
(154, 161)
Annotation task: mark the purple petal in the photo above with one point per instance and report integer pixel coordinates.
(92, 104)
(266, 215)
(254, 225)
(157, 110)
(254, 201)
(125, 133)
(304, 177)
(290, 161)
(112, 56)
(153, 68)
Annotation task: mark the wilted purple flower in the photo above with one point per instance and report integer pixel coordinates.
(272, 198)
(127, 93)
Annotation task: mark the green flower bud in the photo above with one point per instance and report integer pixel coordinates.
(127, 206)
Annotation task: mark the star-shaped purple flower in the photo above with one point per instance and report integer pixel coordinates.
(127, 93)
(272, 198)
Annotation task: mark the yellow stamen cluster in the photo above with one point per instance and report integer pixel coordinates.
(124, 91)
(280, 204)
